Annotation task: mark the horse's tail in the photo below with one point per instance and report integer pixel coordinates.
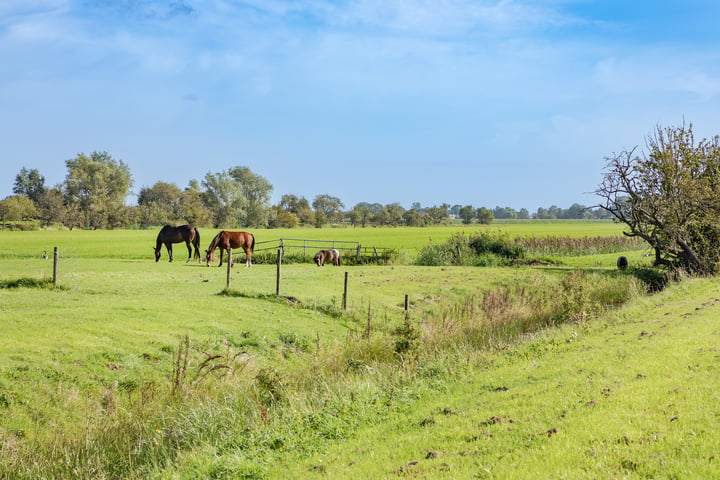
(252, 243)
(196, 243)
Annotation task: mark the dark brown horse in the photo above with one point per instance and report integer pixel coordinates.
(226, 240)
(327, 256)
(183, 233)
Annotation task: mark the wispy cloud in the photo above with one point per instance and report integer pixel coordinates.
(149, 9)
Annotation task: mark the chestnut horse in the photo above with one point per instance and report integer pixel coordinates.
(327, 256)
(226, 240)
(184, 233)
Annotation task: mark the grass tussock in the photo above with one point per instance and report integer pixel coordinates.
(30, 282)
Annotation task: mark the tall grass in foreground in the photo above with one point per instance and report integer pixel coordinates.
(222, 415)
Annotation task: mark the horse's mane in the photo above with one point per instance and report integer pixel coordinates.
(215, 241)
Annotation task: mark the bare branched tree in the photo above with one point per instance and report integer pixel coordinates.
(670, 197)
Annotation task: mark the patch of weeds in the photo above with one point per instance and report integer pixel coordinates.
(269, 386)
(354, 365)
(28, 282)
(5, 399)
(407, 337)
(167, 349)
(292, 339)
(331, 310)
(245, 339)
(268, 297)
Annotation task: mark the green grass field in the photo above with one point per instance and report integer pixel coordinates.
(93, 382)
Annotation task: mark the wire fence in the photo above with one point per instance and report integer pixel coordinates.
(41, 266)
(307, 247)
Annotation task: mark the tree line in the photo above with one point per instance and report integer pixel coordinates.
(94, 191)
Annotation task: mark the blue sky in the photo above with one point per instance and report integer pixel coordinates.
(487, 103)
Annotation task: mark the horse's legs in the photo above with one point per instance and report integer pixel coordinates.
(187, 242)
(168, 245)
(248, 259)
(221, 255)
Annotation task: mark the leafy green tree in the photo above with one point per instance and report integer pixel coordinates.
(51, 206)
(542, 214)
(238, 197)
(438, 214)
(413, 218)
(504, 212)
(361, 214)
(74, 217)
(575, 211)
(190, 208)
(29, 183)
(484, 216)
(281, 218)
(328, 209)
(159, 203)
(669, 196)
(162, 193)
(390, 215)
(523, 214)
(298, 206)
(17, 207)
(223, 196)
(98, 185)
(256, 190)
(467, 213)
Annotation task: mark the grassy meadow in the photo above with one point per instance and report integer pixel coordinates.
(129, 368)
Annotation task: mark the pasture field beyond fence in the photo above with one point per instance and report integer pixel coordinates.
(139, 244)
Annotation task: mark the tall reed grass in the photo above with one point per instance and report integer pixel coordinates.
(576, 246)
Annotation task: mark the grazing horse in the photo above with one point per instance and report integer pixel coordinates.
(184, 233)
(327, 256)
(226, 240)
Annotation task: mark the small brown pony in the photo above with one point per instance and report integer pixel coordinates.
(183, 233)
(226, 240)
(327, 256)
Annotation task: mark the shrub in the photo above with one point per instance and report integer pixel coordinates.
(479, 249)
(496, 243)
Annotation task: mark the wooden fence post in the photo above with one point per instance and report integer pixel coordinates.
(55, 265)
(277, 282)
(229, 267)
(345, 291)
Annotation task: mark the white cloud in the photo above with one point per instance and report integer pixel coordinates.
(12, 8)
(653, 72)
